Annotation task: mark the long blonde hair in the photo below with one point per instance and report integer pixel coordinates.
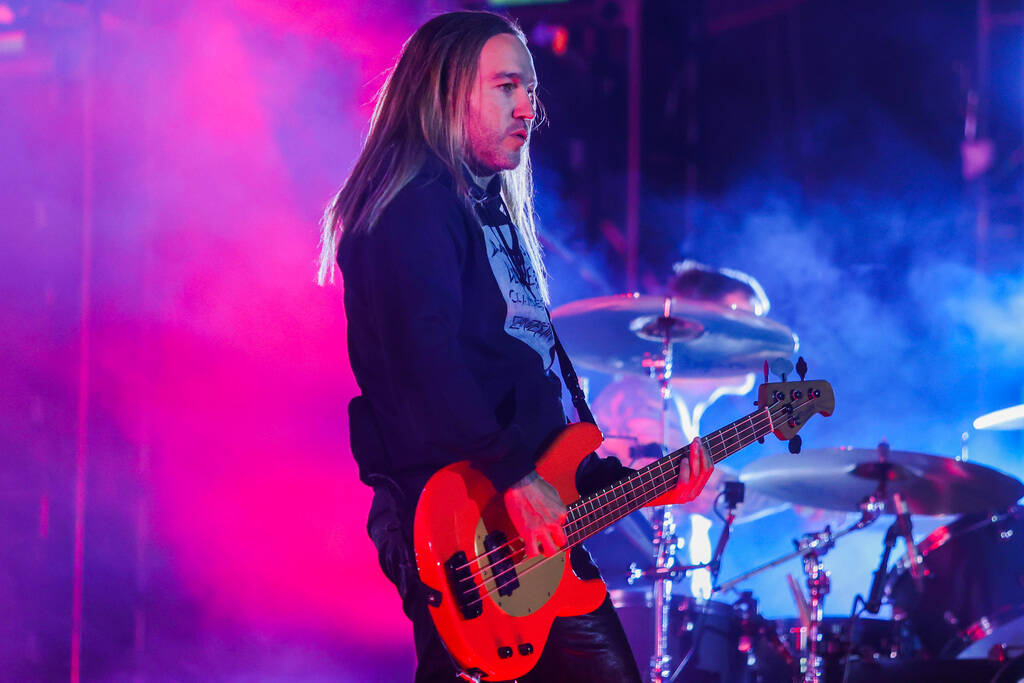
(423, 106)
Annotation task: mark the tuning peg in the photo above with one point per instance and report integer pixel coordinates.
(801, 368)
(781, 367)
(795, 443)
(766, 372)
(760, 439)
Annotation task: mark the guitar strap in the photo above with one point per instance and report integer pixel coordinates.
(572, 382)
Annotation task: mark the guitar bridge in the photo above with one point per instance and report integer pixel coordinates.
(464, 588)
(503, 570)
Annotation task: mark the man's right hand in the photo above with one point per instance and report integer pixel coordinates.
(538, 514)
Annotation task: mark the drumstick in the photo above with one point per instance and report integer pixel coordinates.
(801, 602)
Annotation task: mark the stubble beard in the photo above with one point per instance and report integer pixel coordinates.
(497, 160)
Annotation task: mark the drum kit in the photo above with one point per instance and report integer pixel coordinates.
(956, 598)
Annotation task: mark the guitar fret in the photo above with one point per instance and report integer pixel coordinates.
(597, 511)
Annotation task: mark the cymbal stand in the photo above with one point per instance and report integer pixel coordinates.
(818, 586)
(871, 510)
(665, 539)
(665, 543)
(812, 548)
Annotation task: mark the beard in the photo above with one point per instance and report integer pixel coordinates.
(490, 154)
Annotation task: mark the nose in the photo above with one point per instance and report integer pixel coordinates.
(524, 108)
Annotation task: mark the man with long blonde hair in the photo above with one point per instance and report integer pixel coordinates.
(448, 330)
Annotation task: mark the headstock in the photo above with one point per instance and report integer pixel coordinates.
(792, 404)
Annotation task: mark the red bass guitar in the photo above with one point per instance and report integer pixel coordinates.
(492, 606)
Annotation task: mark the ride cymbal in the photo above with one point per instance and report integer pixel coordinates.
(843, 478)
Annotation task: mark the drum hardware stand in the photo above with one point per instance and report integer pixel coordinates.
(665, 543)
(665, 539)
(818, 586)
(874, 601)
(733, 492)
(905, 528)
(668, 329)
(871, 510)
(812, 547)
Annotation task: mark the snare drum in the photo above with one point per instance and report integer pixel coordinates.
(972, 594)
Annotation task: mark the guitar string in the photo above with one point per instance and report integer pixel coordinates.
(666, 465)
(484, 568)
(639, 476)
(739, 437)
(748, 432)
(496, 577)
(517, 552)
(636, 476)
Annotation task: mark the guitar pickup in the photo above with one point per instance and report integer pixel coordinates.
(503, 569)
(464, 588)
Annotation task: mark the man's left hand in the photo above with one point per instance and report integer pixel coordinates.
(694, 472)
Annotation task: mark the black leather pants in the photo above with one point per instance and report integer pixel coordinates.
(591, 648)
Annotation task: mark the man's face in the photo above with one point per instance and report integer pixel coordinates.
(500, 105)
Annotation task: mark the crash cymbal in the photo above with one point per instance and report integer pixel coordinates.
(614, 334)
(1005, 419)
(841, 478)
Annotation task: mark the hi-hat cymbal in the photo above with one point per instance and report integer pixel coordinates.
(842, 478)
(614, 334)
(1005, 419)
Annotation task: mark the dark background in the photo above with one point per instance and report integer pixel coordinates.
(176, 382)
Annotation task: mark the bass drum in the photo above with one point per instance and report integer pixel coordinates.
(870, 640)
(971, 600)
(736, 645)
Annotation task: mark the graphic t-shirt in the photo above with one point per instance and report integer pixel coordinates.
(527, 317)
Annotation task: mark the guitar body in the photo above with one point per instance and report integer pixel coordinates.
(459, 517)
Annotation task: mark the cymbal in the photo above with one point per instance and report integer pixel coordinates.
(841, 478)
(1005, 419)
(614, 333)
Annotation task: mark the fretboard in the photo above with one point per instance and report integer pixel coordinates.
(589, 515)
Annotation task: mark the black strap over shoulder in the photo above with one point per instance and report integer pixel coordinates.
(572, 382)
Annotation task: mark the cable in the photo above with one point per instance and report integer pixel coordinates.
(714, 506)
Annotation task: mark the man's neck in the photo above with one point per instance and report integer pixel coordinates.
(482, 181)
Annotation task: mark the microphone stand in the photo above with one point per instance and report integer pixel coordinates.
(874, 602)
(734, 494)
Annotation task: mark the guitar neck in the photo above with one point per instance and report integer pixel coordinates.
(589, 515)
